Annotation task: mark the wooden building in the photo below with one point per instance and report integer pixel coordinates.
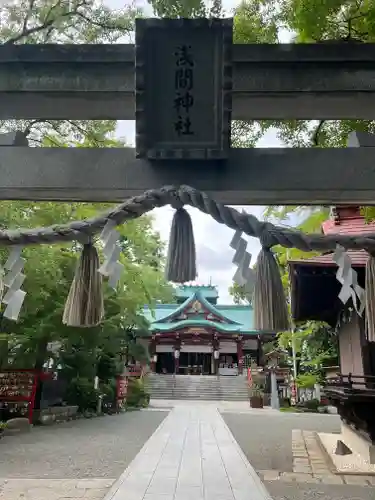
(315, 296)
(196, 335)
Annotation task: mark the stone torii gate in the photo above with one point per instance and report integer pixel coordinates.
(240, 82)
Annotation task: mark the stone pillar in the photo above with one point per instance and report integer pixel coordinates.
(275, 403)
(317, 392)
(176, 354)
(240, 356)
(152, 351)
(215, 361)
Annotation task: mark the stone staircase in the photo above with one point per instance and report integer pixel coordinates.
(198, 387)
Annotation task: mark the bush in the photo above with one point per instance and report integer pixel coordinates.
(310, 405)
(285, 402)
(108, 392)
(137, 395)
(81, 393)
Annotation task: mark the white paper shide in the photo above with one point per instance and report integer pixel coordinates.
(111, 268)
(244, 275)
(12, 296)
(348, 278)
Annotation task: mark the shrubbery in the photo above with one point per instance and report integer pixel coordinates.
(137, 396)
(81, 393)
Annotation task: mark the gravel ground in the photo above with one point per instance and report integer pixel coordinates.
(266, 439)
(300, 491)
(100, 447)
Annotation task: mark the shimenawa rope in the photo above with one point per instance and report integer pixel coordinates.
(269, 234)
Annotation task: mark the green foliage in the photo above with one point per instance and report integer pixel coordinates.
(137, 395)
(182, 8)
(49, 269)
(309, 21)
(108, 390)
(311, 404)
(307, 380)
(81, 392)
(239, 294)
(54, 21)
(254, 22)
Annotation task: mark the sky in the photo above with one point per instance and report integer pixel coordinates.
(214, 255)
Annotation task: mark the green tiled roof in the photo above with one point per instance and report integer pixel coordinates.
(234, 318)
(207, 291)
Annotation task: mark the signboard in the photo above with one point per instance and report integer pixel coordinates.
(249, 377)
(293, 399)
(183, 88)
(121, 389)
(17, 391)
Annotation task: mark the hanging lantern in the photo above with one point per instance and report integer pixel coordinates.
(155, 358)
(216, 354)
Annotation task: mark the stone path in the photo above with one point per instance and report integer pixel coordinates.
(192, 455)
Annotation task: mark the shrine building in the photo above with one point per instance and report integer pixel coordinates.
(196, 335)
(316, 294)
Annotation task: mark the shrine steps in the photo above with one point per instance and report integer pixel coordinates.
(198, 387)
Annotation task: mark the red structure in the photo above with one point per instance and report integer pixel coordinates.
(17, 392)
(121, 389)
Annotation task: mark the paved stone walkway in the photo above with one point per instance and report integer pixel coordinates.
(192, 455)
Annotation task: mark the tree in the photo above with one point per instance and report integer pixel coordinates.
(313, 21)
(64, 21)
(314, 342)
(49, 269)
(239, 294)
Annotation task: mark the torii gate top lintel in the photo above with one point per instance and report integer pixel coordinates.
(190, 82)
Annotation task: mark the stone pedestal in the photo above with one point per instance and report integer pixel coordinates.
(357, 443)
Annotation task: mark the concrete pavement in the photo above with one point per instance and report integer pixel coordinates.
(192, 455)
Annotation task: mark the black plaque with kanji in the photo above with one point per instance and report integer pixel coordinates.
(183, 88)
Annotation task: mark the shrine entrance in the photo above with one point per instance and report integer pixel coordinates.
(195, 363)
(165, 363)
(191, 363)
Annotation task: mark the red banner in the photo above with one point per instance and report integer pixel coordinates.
(122, 389)
(249, 377)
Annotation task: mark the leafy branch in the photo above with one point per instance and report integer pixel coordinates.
(47, 23)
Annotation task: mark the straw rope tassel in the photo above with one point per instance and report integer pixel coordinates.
(181, 259)
(84, 305)
(270, 305)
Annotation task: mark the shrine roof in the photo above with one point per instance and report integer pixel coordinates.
(348, 221)
(314, 286)
(195, 311)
